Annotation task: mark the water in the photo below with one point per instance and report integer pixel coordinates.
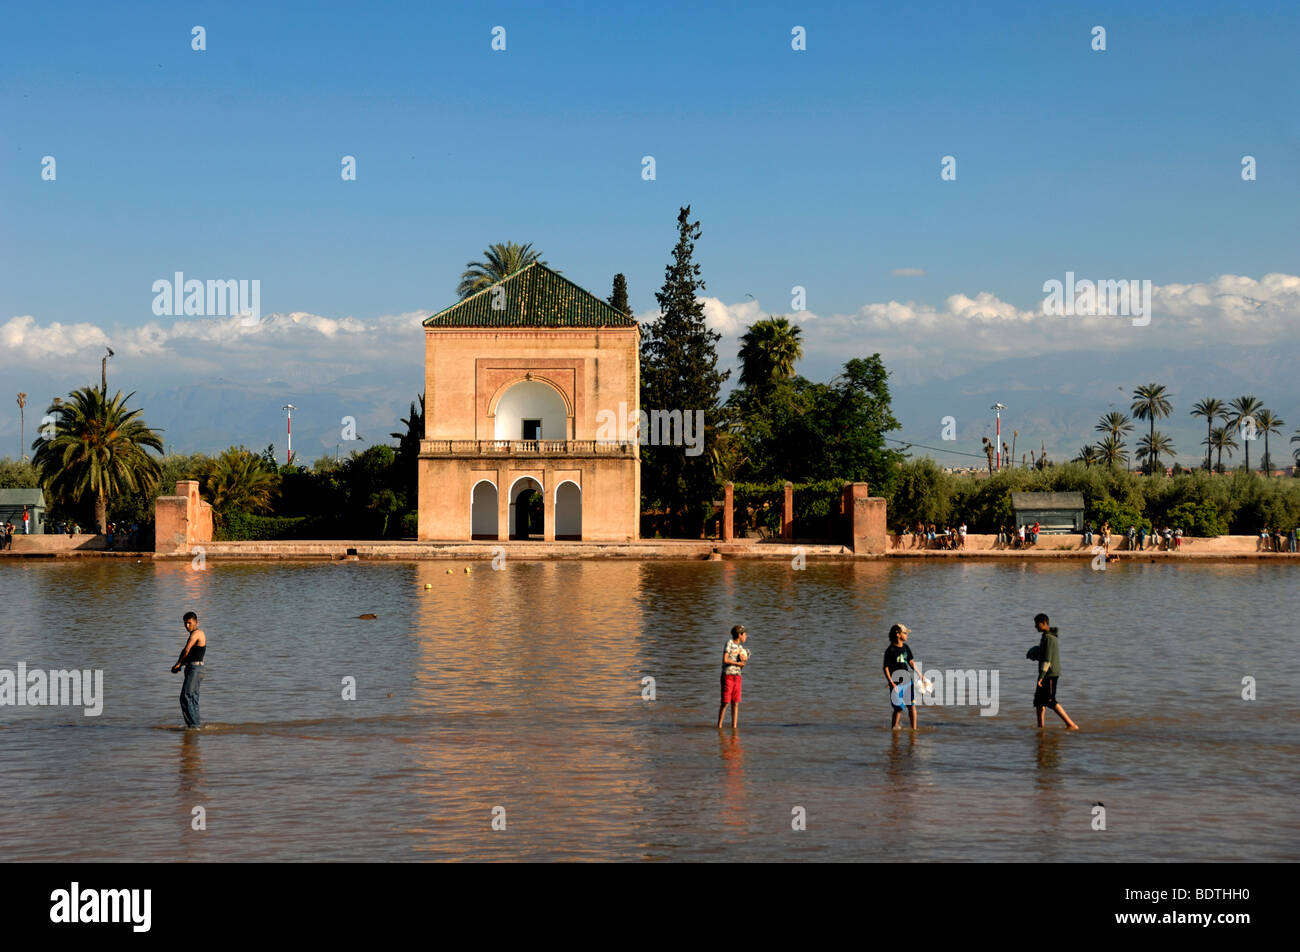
(522, 689)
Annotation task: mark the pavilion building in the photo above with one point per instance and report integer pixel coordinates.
(519, 378)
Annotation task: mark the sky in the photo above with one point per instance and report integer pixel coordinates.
(126, 156)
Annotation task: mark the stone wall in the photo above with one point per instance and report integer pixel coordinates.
(181, 521)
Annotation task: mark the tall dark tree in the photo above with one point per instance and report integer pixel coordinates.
(679, 372)
(408, 453)
(618, 299)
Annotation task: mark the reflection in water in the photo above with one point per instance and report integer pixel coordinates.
(190, 777)
(190, 794)
(735, 811)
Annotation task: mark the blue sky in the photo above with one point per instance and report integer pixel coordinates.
(817, 168)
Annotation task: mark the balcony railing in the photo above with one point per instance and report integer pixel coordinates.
(525, 448)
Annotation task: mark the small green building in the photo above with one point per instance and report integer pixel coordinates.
(12, 502)
(1054, 512)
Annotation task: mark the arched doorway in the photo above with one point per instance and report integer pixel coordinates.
(527, 506)
(568, 511)
(483, 511)
(531, 410)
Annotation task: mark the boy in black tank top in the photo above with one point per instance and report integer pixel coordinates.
(192, 655)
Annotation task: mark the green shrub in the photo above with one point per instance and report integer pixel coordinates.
(1199, 519)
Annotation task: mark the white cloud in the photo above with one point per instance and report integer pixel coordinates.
(964, 331)
(25, 340)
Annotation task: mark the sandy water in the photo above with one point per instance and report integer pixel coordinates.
(517, 695)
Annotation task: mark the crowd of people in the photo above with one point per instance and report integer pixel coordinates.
(1020, 537)
(932, 537)
(1275, 540)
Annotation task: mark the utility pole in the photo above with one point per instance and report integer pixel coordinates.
(289, 408)
(998, 408)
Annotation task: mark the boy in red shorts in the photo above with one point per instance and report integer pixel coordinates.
(734, 656)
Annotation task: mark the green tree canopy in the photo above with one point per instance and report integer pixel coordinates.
(679, 371)
(98, 448)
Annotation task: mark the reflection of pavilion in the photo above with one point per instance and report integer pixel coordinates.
(515, 377)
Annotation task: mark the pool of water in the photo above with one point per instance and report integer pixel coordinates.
(504, 714)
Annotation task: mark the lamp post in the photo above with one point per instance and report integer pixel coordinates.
(103, 372)
(998, 408)
(22, 427)
(289, 408)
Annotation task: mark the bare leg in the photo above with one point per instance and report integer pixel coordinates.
(897, 715)
(1069, 724)
(1039, 711)
(735, 714)
(911, 713)
(721, 709)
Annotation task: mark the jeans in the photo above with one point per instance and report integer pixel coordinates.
(190, 694)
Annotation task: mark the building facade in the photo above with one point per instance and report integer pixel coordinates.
(522, 382)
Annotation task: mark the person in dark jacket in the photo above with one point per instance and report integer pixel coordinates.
(1049, 672)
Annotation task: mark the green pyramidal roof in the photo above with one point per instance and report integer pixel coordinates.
(534, 296)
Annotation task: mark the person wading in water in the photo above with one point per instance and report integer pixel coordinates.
(196, 646)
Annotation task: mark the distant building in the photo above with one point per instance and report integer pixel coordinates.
(1054, 512)
(12, 502)
(522, 381)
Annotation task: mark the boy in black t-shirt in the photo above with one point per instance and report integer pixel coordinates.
(898, 657)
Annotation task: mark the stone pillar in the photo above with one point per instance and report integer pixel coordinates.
(864, 519)
(787, 512)
(503, 505)
(548, 505)
(181, 520)
(728, 513)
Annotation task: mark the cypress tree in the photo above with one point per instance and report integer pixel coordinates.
(618, 299)
(679, 372)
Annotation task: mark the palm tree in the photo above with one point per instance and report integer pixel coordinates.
(1087, 455)
(238, 479)
(1111, 451)
(768, 351)
(502, 261)
(988, 450)
(1152, 447)
(1220, 439)
(98, 447)
(1212, 409)
(1266, 422)
(1115, 423)
(1243, 409)
(1295, 453)
(22, 427)
(1151, 403)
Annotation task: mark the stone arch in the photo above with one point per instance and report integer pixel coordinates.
(568, 510)
(532, 396)
(521, 527)
(483, 510)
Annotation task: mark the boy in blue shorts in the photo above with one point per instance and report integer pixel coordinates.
(898, 657)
